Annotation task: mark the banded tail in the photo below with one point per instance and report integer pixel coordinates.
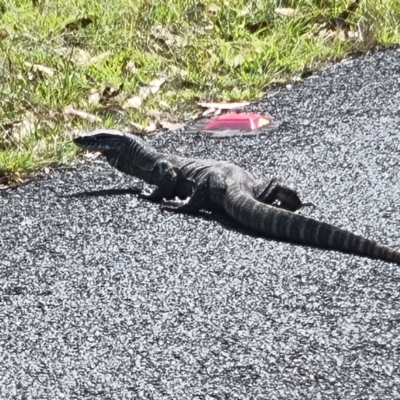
(280, 224)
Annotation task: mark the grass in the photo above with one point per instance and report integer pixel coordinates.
(95, 56)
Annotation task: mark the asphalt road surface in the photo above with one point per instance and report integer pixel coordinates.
(103, 296)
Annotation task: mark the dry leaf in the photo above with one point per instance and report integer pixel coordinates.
(81, 114)
(49, 124)
(133, 102)
(354, 35)
(239, 60)
(170, 93)
(153, 113)
(209, 111)
(15, 131)
(91, 156)
(136, 126)
(151, 127)
(179, 71)
(108, 96)
(23, 128)
(110, 92)
(100, 57)
(213, 8)
(151, 88)
(82, 58)
(41, 68)
(4, 34)
(164, 36)
(340, 27)
(163, 104)
(224, 106)
(286, 11)
(94, 96)
(171, 126)
(342, 35)
(130, 67)
(28, 36)
(330, 34)
(39, 147)
(244, 11)
(144, 92)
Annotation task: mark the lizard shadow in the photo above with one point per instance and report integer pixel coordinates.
(220, 217)
(103, 193)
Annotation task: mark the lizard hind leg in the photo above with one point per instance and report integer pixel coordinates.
(277, 190)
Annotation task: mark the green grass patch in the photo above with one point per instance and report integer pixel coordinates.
(95, 57)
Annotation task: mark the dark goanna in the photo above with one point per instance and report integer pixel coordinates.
(211, 184)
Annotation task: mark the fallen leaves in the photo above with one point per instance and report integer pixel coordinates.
(286, 11)
(69, 110)
(171, 126)
(340, 27)
(164, 36)
(159, 122)
(217, 108)
(151, 88)
(163, 104)
(144, 92)
(153, 113)
(224, 106)
(38, 71)
(213, 8)
(151, 127)
(343, 35)
(14, 132)
(91, 155)
(94, 96)
(83, 58)
(114, 100)
(136, 126)
(34, 68)
(130, 67)
(133, 102)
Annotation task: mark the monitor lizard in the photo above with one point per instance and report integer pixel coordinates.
(265, 207)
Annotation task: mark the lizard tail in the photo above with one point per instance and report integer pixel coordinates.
(280, 224)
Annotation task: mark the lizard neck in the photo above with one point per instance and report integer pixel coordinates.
(134, 158)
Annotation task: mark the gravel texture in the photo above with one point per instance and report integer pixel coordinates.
(103, 296)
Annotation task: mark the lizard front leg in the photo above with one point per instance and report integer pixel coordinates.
(197, 201)
(165, 177)
(208, 193)
(276, 190)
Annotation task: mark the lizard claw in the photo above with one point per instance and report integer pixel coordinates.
(295, 207)
(186, 208)
(172, 206)
(150, 196)
(175, 209)
(169, 209)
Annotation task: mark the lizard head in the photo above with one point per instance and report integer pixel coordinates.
(103, 140)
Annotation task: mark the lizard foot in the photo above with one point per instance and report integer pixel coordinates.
(152, 196)
(148, 197)
(176, 208)
(294, 207)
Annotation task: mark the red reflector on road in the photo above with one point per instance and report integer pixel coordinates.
(242, 121)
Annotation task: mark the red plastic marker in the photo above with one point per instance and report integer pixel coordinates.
(234, 124)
